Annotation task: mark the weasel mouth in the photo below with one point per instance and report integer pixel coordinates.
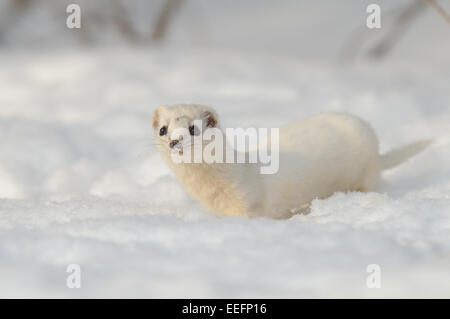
(174, 143)
(177, 149)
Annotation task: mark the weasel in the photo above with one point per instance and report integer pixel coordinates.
(318, 156)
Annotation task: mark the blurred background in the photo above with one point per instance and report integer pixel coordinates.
(304, 29)
(81, 180)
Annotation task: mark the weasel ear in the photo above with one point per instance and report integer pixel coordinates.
(211, 118)
(156, 116)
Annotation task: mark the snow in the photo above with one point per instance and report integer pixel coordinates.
(81, 181)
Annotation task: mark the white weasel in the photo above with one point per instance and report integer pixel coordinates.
(318, 156)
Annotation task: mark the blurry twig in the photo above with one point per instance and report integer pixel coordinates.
(118, 18)
(164, 18)
(95, 16)
(402, 19)
(397, 30)
(124, 24)
(401, 23)
(439, 9)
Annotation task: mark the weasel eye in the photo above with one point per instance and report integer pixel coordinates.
(163, 131)
(193, 130)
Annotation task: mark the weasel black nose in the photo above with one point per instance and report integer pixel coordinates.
(173, 143)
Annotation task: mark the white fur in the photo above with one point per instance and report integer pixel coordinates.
(320, 155)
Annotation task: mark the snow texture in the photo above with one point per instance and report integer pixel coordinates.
(81, 181)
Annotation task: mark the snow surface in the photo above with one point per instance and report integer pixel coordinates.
(81, 181)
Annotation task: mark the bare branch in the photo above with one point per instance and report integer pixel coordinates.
(398, 29)
(439, 9)
(164, 18)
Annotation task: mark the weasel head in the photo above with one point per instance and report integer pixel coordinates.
(176, 126)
